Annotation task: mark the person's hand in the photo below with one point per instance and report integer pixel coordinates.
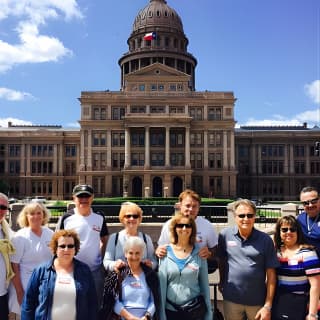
(147, 262)
(204, 253)
(263, 314)
(161, 251)
(118, 265)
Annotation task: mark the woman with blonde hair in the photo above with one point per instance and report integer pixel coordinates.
(32, 248)
(130, 216)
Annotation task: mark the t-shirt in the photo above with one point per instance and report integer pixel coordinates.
(90, 229)
(293, 272)
(31, 251)
(206, 233)
(64, 298)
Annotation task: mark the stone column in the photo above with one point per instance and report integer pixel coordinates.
(187, 146)
(127, 148)
(167, 152)
(147, 148)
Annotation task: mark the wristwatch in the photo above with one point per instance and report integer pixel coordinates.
(312, 315)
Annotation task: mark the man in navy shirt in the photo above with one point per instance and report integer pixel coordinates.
(309, 219)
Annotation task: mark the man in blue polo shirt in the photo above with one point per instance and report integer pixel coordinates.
(309, 219)
(247, 262)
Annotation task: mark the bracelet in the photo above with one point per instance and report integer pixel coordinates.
(312, 315)
(267, 307)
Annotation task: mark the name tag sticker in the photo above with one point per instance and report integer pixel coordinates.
(231, 243)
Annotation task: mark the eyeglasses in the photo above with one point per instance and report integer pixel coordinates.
(3, 207)
(308, 202)
(248, 215)
(134, 216)
(69, 246)
(292, 229)
(183, 225)
(83, 195)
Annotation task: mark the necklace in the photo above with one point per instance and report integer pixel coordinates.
(314, 222)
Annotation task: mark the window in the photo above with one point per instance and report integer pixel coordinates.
(70, 168)
(41, 168)
(196, 160)
(299, 167)
(272, 151)
(272, 167)
(215, 184)
(157, 109)
(137, 159)
(117, 160)
(315, 167)
(42, 150)
(157, 159)
(196, 113)
(137, 139)
(157, 138)
(215, 138)
(99, 138)
(99, 113)
(177, 139)
(174, 109)
(161, 87)
(299, 151)
(118, 139)
(214, 113)
(142, 87)
(118, 113)
(138, 109)
(173, 87)
(2, 150)
(153, 87)
(41, 187)
(196, 139)
(70, 151)
(14, 167)
(215, 161)
(14, 150)
(243, 151)
(177, 159)
(99, 161)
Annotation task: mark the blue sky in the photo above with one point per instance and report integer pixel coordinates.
(266, 51)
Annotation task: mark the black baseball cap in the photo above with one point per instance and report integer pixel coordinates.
(82, 189)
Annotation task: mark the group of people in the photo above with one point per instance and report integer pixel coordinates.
(64, 274)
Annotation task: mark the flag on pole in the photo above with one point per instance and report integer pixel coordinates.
(150, 36)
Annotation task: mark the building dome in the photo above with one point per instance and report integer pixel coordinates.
(157, 14)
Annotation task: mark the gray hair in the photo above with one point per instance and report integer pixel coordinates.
(4, 197)
(242, 202)
(134, 242)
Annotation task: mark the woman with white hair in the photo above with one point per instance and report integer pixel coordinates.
(32, 248)
(137, 293)
(6, 249)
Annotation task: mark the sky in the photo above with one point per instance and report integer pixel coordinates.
(266, 51)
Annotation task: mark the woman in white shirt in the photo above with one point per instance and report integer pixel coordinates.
(32, 248)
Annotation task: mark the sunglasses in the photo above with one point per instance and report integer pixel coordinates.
(183, 225)
(308, 202)
(292, 229)
(134, 216)
(69, 246)
(248, 215)
(3, 207)
(83, 195)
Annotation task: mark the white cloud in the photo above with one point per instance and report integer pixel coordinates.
(4, 122)
(34, 47)
(311, 117)
(72, 125)
(13, 95)
(313, 91)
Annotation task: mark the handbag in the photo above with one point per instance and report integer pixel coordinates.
(289, 306)
(195, 308)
